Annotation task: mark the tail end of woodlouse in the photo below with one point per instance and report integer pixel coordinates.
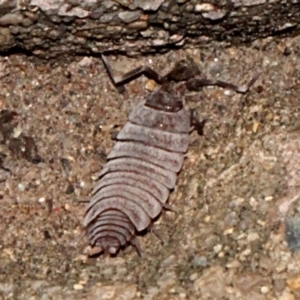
(92, 251)
(97, 250)
(111, 251)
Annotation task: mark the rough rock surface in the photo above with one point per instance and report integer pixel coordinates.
(235, 194)
(52, 28)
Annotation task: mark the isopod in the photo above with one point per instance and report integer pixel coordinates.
(142, 167)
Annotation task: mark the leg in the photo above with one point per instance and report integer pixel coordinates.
(196, 84)
(136, 244)
(157, 234)
(133, 74)
(196, 123)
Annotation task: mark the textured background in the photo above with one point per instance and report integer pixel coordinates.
(227, 238)
(237, 193)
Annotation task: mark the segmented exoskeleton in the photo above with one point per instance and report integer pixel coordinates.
(142, 167)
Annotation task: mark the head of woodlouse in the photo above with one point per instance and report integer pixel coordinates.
(183, 71)
(164, 101)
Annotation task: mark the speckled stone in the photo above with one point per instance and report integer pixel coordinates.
(129, 16)
(147, 5)
(84, 30)
(215, 15)
(11, 19)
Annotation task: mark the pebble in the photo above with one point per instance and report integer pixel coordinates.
(129, 16)
(147, 5)
(78, 286)
(218, 248)
(204, 7)
(264, 289)
(215, 14)
(252, 236)
(150, 85)
(11, 19)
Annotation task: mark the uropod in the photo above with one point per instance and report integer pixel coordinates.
(142, 167)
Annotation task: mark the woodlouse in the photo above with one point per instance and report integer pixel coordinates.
(142, 167)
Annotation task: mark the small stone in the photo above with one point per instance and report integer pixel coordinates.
(97, 13)
(10, 253)
(108, 4)
(78, 286)
(249, 2)
(194, 276)
(21, 187)
(200, 261)
(252, 236)
(17, 132)
(221, 254)
(204, 7)
(150, 85)
(218, 248)
(253, 202)
(41, 200)
(215, 14)
(129, 16)
(125, 3)
(261, 223)
(269, 198)
(82, 184)
(11, 19)
(255, 126)
(85, 62)
(147, 5)
(241, 236)
(228, 231)
(264, 289)
(138, 25)
(207, 219)
(66, 10)
(233, 264)
(106, 18)
(67, 207)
